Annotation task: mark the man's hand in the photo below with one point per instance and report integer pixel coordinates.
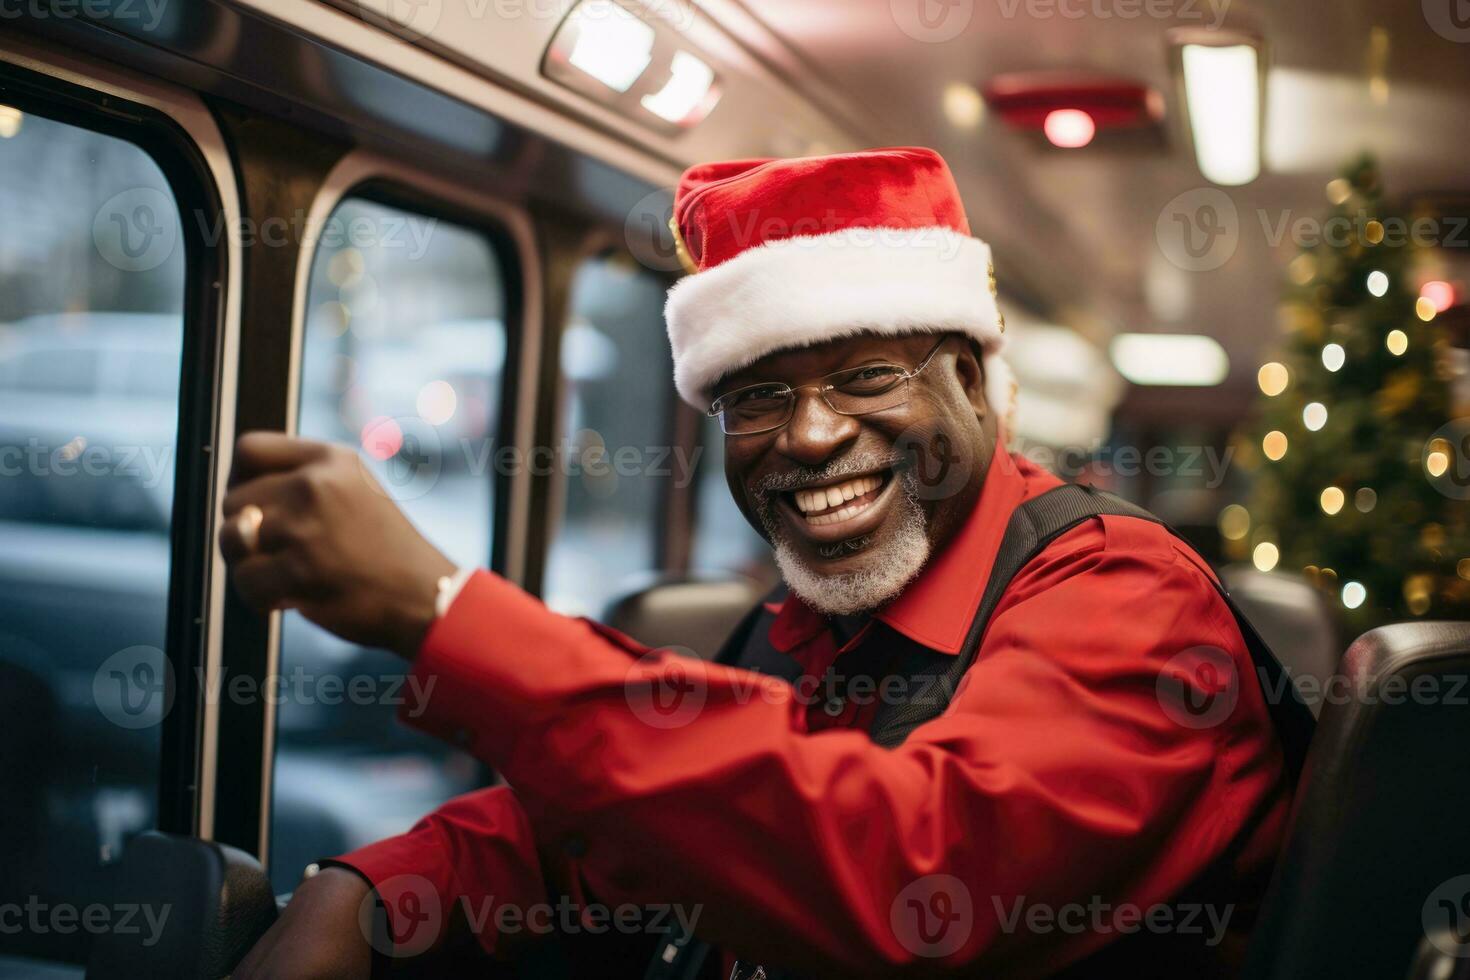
(320, 934)
(308, 527)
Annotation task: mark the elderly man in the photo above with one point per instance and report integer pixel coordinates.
(992, 724)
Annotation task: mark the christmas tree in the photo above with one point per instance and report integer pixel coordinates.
(1359, 453)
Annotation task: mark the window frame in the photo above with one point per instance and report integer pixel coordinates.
(672, 537)
(173, 128)
(508, 230)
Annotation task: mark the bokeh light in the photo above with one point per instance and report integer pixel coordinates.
(436, 402)
(1333, 357)
(1069, 128)
(1274, 445)
(1314, 416)
(1235, 522)
(382, 438)
(1273, 378)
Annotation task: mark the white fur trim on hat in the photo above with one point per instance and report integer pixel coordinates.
(797, 292)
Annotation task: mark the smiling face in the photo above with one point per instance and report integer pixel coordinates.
(855, 504)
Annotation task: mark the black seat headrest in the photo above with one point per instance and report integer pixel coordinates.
(200, 906)
(693, 614)
(1377, 854)
(1294, 620)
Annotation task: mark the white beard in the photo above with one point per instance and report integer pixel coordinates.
(888, 566)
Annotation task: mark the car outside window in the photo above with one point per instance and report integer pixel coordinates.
(91, 268)
(404, 360)
(614, 464)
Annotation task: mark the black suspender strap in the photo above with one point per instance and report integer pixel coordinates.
(1033, 526)
(932, 678)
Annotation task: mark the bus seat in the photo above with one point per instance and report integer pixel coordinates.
(1293, 619)
(217, 900)
(692, 613)
(1376, 852)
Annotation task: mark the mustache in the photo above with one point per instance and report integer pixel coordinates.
(830, 472)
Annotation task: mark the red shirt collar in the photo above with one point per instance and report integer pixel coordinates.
(937, 607)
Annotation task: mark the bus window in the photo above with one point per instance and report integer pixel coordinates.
(91, 273)
(403, 358)
(613, 454)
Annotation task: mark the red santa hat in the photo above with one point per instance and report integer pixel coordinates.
(791, 253)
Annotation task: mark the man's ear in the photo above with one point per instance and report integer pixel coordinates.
(970, 369)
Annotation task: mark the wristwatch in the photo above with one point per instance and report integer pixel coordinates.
(449, 589)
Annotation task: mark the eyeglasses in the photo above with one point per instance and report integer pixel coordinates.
(861, 390)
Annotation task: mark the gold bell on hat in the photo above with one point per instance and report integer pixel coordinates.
(682, 252)
(995, 294)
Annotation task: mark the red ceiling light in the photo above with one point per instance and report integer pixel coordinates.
(1069, 128)
(1070, 109)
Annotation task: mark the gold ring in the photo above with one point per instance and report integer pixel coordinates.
(251, 517)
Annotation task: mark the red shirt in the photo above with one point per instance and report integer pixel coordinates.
(1057, 783)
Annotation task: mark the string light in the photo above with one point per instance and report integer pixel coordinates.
(1333, 357)
(1274, 445)
(1353, 594)
(1332, 500)
(1365, 499)
(1302, 269)
(1424, 308)
(1377, 283)
(1397, 342)
(1437, 460)
(1440, 293)
(1273, 378)
(1235, 522)
(1265, 556)
(1417, 594)
(1314, 416)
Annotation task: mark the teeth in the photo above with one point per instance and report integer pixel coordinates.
(826, 498)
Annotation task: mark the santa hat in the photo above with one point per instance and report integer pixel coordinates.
(791, 253)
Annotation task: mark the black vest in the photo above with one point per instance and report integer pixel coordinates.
(931, 678)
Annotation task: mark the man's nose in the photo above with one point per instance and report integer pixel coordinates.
(815, 432)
